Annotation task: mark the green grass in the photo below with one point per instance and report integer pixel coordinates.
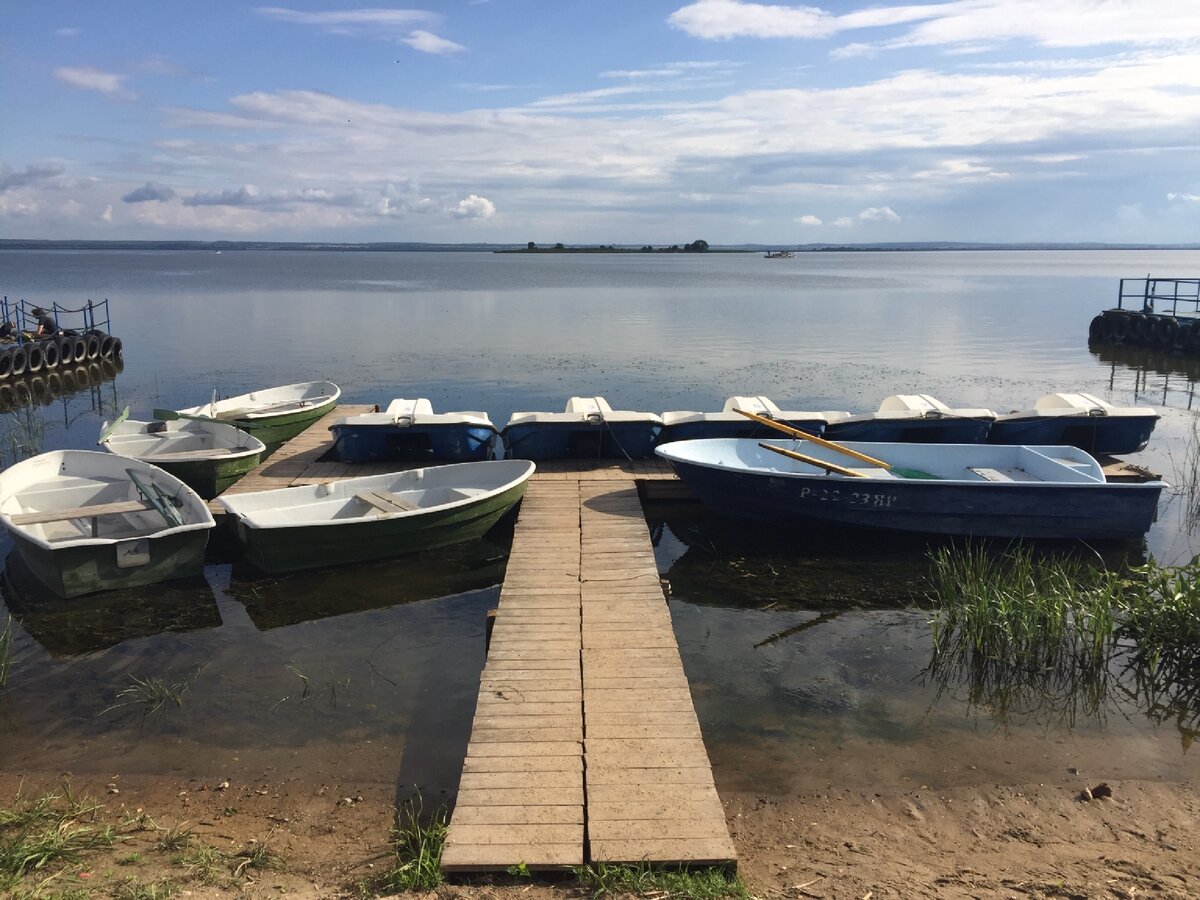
(257, 856)
(6, 641)
(39, 836)
(149, 695)
(417, 845)
(706, 883)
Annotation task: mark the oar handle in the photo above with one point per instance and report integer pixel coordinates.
(813, 461)
(820, 442)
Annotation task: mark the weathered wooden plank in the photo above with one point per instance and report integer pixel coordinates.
(524, 764)
(482, 858)
(555, 734)
(706, 851)
(518, 815)
(535, 835)
(523, 749)
(627, 775)
(540, 779)
(555, 796)
(515, 722)
(645, 800)
(655, 730)
(649, 830)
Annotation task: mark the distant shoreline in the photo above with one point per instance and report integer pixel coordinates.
(403, 247)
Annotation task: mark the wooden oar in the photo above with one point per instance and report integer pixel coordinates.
(820, 442)
(170, 415)
(813, 461)
(823, 442)
(108, 429)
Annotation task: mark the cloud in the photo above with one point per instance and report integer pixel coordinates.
(1187, 198)
(33, 174)
(150, 192)
(87, 78)
(969, 24)
(474, 207)
(68, 32)
(807, 220)
(878, 214)
(399, 25)
(431, 43)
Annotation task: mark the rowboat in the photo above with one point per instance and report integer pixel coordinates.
(983, 490)
(410, 429)
(85, 521)
(913, 418)
(273, 415)
(206, 456)
(685, 425)
(1082, 420)
(375, 516)
(587, 428)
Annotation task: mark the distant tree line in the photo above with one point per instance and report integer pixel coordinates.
(698, 246)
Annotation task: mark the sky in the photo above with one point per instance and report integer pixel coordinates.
(582, 122)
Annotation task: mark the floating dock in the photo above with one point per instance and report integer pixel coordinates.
(585, 746)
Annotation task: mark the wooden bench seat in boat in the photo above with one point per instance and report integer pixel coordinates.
(82, 512)
(209, 453)
(1006, 475)
(386, 501)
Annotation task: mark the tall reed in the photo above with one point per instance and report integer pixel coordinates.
(6, 642)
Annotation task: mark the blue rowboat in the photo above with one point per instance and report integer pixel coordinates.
(728, 423)
(1082, 420)
(914, 418)
(954, 489)
(588, 428)
(410, 429)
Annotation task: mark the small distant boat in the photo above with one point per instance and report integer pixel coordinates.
(777, 254)
(410, 429)
(84, 521)
(686, 426)
(273, 414)
(206, 456)
(913, 418)
(588, 428)
(1082, 420)
(375, 516)
(982, 490)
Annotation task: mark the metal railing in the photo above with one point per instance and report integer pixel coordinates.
(93, 316)
(1160, 295)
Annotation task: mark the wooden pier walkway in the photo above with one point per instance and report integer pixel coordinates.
(585, 745)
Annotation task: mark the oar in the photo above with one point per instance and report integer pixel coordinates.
(108, 429)
(823, 442)
(813, 461)
(170, 415)
(820, 442)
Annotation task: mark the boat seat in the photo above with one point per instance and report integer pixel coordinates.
(1007, 475)
(385, 501)
(82, 512)
(208, 453)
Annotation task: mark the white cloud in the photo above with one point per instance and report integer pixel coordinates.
(972, 24)
(68, 32)
(87, 78)
(32, 174)
(878, 214)
(807, 220)
(844, 222)
(150, 192)
(474, 207)
(398, 25)
(1187, 198)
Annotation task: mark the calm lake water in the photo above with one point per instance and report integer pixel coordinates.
(808, 660)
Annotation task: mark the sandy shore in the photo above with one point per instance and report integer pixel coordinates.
(324, 839)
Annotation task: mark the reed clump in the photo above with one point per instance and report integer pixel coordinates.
(40, 835)
(1023, 631)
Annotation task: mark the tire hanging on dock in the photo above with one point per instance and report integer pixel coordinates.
(50, 354)
(1098, 329)
(80, 353)
(93, 345)
(20, 360)
(1118, 328)
(34, 359)
(1165, 330)
(106, 345)
(5, 361)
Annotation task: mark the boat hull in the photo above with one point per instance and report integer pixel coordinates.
(381, 443)
(580, 440)
(272, 430)
(737, 481)
(75, 571)
(912, 431)
(208, 478)
(743, 428)
(294, 548)
(1095, 434)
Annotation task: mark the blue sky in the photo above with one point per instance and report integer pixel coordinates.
(629, 121)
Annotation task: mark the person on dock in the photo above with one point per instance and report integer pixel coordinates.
(8, 332)
(46, 326)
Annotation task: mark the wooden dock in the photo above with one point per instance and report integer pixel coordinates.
(585, 745)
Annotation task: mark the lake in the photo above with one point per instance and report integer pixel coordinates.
(809, 662)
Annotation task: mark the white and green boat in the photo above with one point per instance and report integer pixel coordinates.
(375, 516)
(84, 521)
(208, 456)
(272, 415)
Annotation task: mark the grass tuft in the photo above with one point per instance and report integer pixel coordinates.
(418, 841)
(707, 883)
(41, 834)
(6, 642)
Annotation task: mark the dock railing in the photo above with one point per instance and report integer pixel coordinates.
(1179, 297)
(93, 316)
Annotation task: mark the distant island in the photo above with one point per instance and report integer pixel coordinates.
(698, 246)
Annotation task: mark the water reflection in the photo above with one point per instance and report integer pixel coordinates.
(1164, 377)
(46, 387)
(87, 624)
